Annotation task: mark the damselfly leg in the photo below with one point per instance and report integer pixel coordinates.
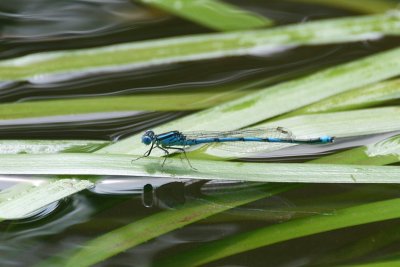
(184, 153)
(145, 155)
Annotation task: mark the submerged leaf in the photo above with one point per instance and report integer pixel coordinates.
(150, 227)
(264, 236)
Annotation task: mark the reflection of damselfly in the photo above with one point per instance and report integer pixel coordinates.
(251, 138)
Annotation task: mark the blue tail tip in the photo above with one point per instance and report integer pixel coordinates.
(327, 139)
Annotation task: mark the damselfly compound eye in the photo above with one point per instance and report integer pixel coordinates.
(148, 137)
(146, 140)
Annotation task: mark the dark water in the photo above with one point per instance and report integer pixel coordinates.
(42, 25)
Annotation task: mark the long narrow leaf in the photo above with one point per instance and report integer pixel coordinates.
(214, 14)
(97, 164)
(375, 94)
(342, 124)
(153, 102)
(206, 46)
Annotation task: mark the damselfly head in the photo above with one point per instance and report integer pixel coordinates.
(148, 137)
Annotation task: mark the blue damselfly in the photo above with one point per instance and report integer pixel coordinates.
(252, 137)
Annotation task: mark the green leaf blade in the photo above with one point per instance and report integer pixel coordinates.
(362, 97)
(151, 102)
(98, 164)
(214, 14)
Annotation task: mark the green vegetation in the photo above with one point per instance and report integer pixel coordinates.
(212, 13)
(198, 47)
(353, 99)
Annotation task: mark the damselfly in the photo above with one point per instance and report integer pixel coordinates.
(252, 137)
